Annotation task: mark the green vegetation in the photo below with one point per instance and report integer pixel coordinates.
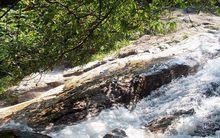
(37, 35)
(103, 53)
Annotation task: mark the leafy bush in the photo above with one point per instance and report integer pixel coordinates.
(38, 35)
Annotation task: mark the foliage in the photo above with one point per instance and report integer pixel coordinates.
(38, 35)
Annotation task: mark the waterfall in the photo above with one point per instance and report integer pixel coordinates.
(198, 94)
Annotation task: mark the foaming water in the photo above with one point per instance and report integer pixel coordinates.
(199, 92)
(14, 125)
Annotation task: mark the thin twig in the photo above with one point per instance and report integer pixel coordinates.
(13, 5)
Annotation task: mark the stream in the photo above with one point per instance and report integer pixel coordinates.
(187, 107)
(199, 93)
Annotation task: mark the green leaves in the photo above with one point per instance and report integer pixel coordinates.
(41, 34)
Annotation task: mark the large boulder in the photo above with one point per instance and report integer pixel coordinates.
(101, 93)
(161, 125)
(116, 133)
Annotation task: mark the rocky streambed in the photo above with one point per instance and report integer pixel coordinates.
(164, 91)
(186, 107)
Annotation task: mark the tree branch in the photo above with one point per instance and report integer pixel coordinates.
(12, 6)
(90, 30)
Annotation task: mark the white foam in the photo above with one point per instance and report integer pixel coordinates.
(13, 125)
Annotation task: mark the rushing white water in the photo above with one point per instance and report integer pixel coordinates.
(200, 92)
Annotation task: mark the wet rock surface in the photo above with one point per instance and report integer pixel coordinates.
(212, 89)
(116, 133)
(162, 124)
(208, 127)
(31, 87)
(20, 134)
(127, 53)
(80, 70)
